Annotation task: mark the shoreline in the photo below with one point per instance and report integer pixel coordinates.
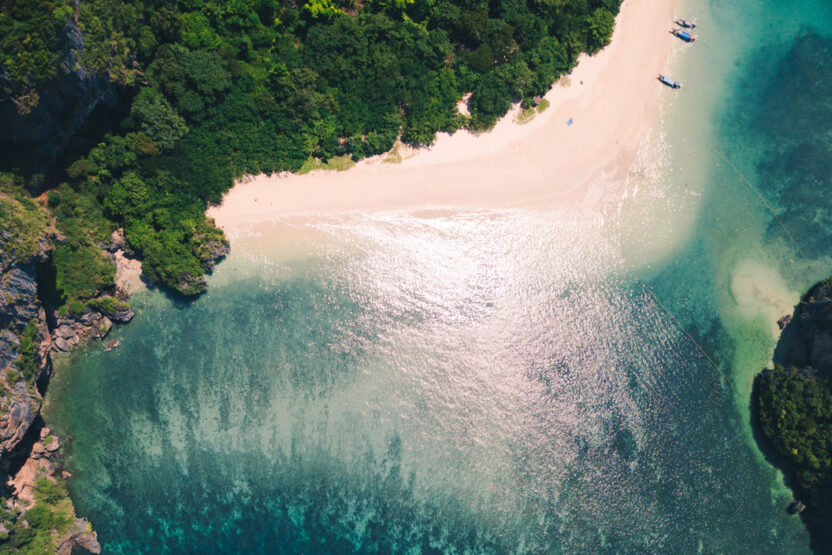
(613, 99)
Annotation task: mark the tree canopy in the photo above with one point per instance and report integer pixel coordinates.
(795, 416)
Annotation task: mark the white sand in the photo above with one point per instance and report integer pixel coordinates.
(128, 274)
(613, 99)
(761, 293)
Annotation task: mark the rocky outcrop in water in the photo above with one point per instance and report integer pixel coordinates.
(216, 250)
(791, 410)
(82, 536)
(814, 319)
(806, 340)
(40, 464)
(211, 251)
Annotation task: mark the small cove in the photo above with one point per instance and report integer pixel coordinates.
(491, 380)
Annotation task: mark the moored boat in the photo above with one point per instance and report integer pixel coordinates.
(686, 24)
(670, 82)
(684, 35)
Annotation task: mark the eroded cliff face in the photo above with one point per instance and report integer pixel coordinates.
(806, 340)
(64, 106)
(815, 323)
(19, 307)
(27, 448)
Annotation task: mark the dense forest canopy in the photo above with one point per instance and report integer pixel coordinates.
(214, 90)
(795, 416)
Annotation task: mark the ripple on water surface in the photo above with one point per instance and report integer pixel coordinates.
(481, 382)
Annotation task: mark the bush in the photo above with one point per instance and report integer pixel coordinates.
(29, 342)
(37, 530)
(53, 199)
(107, 305)
(12, 376)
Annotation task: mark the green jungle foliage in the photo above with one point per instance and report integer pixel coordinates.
(23, 220)
(795, 416)
(39, 529)
(27, 364)
(107, 305)
(82, 271)
(30, 46)
(222, 89)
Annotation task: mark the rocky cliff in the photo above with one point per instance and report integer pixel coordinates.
(63, 108)
(806, 340)
(27, 448)
(22, 326)
(792, 410)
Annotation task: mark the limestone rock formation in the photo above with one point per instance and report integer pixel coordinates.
(81, 535)
(64, 106)
(19, 306)
(69, 331)
(814, 326)
(26, 450)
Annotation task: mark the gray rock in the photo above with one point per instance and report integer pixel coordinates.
(64, 331)
(9, 348)
(86, 318)
(61, 344)
(122, 315)
(53, 445)
(38, 449)
(18, 291)
(80, 535)
(15, 422)
(18, 306)
(810, 343)
(214, 252)
(104, 327)
(116, 241)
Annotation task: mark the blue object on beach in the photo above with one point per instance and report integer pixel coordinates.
(684, 35)
(569, 122)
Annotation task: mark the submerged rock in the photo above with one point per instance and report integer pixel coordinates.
(112, 344)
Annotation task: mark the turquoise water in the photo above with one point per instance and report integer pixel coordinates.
(512, 381)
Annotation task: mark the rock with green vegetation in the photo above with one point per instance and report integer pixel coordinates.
(113, 308)
(793, 401)
(38, 516)
(795, 415)
(26, 236)
(47, 90)
(814, 323)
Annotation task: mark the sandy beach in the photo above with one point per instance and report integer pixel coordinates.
(612, 98)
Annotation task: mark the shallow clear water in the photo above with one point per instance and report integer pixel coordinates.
(510, 381)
